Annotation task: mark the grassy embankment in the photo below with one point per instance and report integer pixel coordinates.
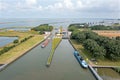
(22, 47)
(55, 43)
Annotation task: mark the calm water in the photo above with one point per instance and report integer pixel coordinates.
(32, 66)
(32, 22)
(6, 40)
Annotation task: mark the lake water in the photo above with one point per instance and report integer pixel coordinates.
(6, 40)
(32, 22)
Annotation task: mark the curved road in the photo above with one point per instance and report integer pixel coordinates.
(32, 65)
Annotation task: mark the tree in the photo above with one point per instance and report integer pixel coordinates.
(71, 28)
(101, 27)
(99, 46)
(81, 37)
(43, 27)
(96, 50)
(118, 38)
(16, 41)
(74, 34)
(90, 35)
(41, 32)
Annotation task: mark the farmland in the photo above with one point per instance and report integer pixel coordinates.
(107, 33)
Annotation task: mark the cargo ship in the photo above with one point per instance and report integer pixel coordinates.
(81, 61)
(45, 43)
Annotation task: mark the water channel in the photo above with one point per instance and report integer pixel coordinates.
(32, 65)
(6, 40)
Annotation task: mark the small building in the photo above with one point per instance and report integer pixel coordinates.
(47, 32)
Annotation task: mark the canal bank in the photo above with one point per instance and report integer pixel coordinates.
(32, 65)
(22, 54)
(108, 73)
(29, 66)
(65, 66)
(95, 74)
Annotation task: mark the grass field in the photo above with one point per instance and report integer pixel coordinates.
(21, 35)
(107, 33)
(22, 47)
(87, 55)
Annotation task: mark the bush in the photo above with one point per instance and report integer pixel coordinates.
(25, 39)
(117, 70)
(6, 49)
(16, 41)
(41, 32)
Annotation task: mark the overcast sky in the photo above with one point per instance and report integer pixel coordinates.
(59, 8)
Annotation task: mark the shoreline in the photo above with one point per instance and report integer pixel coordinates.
(95, 74)
(22, 54)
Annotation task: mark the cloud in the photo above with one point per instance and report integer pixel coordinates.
(31, 2)
(85, 5)
(68, 4)
(61, 5)
(29, 5)
(67, 7)
(0, 6)
(3, 6)
(55, 6)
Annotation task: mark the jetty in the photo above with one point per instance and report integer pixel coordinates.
(99, 66)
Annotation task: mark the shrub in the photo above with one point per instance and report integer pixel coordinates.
(41, 32)
(16, 41)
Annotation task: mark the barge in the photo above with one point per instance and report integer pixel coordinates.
(81, 61)
(45, 43)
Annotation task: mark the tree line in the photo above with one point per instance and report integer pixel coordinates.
(16, 42)
(103, 27)
(73, 27)
(98, 46)
(43, 27)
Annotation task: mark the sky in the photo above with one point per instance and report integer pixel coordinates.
(60, 9)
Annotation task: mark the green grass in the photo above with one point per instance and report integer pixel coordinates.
(86, 55)
(108, 72)
(15, 27)
(84, 29)
(22, 47)
(55, 43)
(117, 69)
(21, 35)
(19, 50)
